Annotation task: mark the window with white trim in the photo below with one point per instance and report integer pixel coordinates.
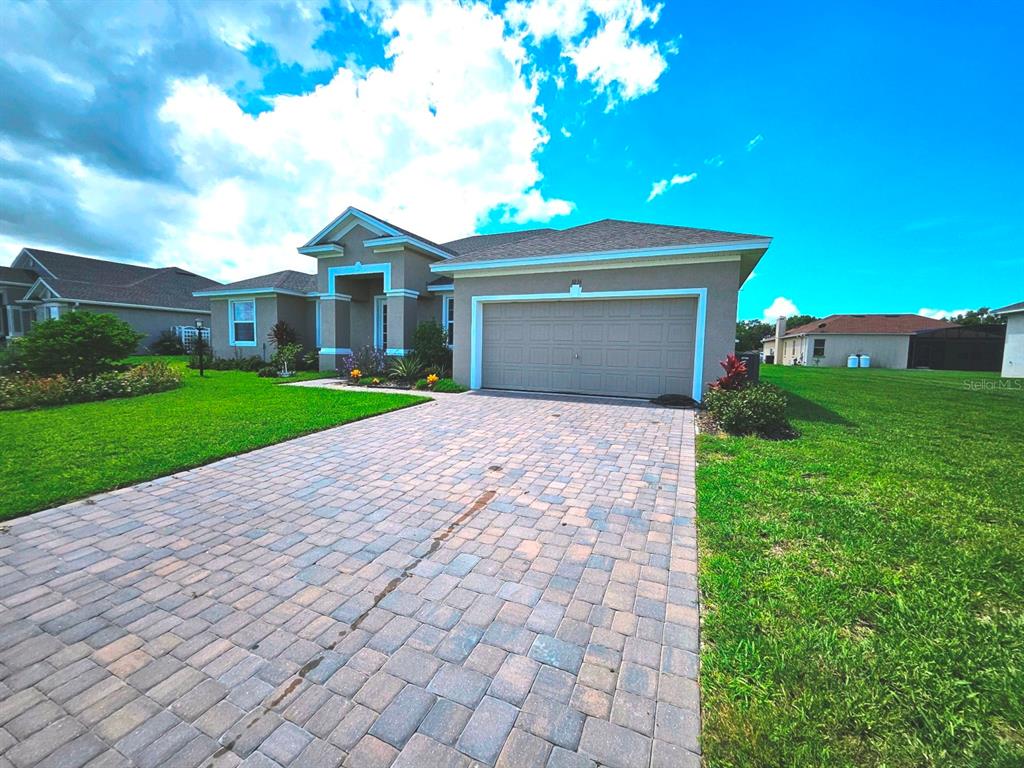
(819, 348)
(243, 322)
(448, 318)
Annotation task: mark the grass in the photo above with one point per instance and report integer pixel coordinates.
(54, 455)
(863, 586)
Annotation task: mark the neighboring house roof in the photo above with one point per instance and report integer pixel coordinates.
(285, 281)
(445, 281)
(865, 324)
(10, 275)
(1010, 309)
(603, 236)
(79, 278)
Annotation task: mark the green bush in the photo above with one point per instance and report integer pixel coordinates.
(167, 343)
(29, 391)
(267, 372)
(249, 364)
(420, 384)
(406, 369)
(429, 344)
(79, 344)
(10, 357)
(759, 409)
(448, 385)
(287, 356)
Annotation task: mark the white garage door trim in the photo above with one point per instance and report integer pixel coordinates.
(476, 336)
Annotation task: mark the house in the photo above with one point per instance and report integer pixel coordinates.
(40, 285)
(1013, 345)
(609, 308)
(829, 342)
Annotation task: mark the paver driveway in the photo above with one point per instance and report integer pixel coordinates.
(480, 580)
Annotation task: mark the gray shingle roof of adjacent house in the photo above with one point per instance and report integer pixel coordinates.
(599, 236)
(286, 280)
(98, 280)
(480, 242)
(17, 276)
(1010, 308)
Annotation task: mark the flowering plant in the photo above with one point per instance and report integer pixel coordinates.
(432, 379)
(356, 374)
(735, 374)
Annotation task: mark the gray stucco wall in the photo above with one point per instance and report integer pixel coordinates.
(721, 279)
(1013, 349)
(266, 317)
(885, 350)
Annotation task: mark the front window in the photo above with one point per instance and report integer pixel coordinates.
(819, 347)
(448, 319)
(243, 323)
(52, 313)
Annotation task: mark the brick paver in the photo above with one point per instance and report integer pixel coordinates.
(482, 580)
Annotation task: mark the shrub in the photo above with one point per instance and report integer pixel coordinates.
(735, 373)
(368, 360)
(759, 409)
(368, 381)
(267, 372)
(78, 344)
(429, 344)
(167, 343)
(310, 361)
(250, 364)
(10, 357)
(448, 385)
(406, 368)
(29, 391)
(420, 384)
(282, 334)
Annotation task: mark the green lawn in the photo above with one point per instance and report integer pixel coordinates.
(54, 455)
(863, 586)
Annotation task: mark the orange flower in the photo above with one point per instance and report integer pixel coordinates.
(356, 373)
(432, 379)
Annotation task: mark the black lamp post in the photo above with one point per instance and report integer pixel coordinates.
(199, 344)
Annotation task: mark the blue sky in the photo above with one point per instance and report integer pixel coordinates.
(879, 144)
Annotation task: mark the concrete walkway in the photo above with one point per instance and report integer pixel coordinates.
(481, 580)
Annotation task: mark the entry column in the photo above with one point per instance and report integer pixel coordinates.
(335, 329)
(401, 320)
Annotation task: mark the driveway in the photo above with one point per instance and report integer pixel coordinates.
(480, 580)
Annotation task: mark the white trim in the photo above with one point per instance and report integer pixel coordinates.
(316, 332)
(383, 268)
(231, 323)
(332, 296)
(131, 306)
(396, 352)
(1008, 311)
(365, 218)
(476, 338)
(38, 282)
(335, 351)
(29, 253)
(588, 266)
(320, 251)
(415, 242)
(250, 292)
(379, 304)
(599, 256)
(11, 282)
(441, 288)
(407, 292)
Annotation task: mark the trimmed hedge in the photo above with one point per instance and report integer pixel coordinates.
(759, 409)
(26, 390)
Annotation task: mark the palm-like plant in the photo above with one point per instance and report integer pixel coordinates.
(406, 368)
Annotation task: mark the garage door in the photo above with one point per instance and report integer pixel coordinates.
(622, 347)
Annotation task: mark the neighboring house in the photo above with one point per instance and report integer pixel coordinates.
(829, 342)
(40, 285)
(1013, 348)
(609, 308)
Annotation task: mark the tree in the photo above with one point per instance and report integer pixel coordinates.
(980, 316)
(78, 344)
(749, 334)
(797, 320)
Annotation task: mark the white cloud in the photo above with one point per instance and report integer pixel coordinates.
(659, 188)
(715, 162)
(600, 38)
(781, 307)
(941, 314)
(566, 132)
(754, 142)
(445, 134)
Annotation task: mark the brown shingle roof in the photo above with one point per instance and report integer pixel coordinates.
(20, 276)
(598, 236)
(860, 324)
